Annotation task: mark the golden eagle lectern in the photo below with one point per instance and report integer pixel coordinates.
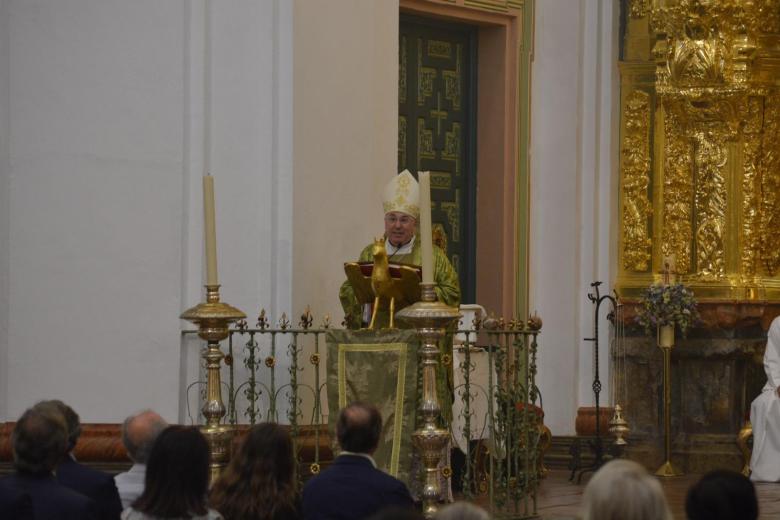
(381, 283)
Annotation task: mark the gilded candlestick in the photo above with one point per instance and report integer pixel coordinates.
(213, 319)
(430, 318)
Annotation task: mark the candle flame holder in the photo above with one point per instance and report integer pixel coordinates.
(213, 318)
(430, 318)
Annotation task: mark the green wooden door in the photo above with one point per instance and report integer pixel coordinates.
(436, 131)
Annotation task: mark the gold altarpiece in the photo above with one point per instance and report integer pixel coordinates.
(700, 146)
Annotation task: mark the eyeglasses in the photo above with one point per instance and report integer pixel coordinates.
(404, 220)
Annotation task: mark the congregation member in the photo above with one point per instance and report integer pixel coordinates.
(259, 482)
(623, 490)
(15, 505)
(38, 442)
(765, 415)
(462, 511)
(177, 478)
(397, 513)
(139, 431)
(352, 488)
(722, 495)
(97, 485)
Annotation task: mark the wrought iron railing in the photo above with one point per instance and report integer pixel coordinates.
(274, 374)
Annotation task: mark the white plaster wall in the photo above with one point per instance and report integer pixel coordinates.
(5, 212)
(116, 110)
(346, 139)
(573, 97)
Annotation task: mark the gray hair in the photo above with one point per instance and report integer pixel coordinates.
(622, 489)
(139, 438)
(462, 511)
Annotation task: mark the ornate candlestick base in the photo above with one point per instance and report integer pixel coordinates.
(213, 319)
(667, 469)
(430, 318)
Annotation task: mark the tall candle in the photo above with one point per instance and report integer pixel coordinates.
(426, 234)
(210, 230)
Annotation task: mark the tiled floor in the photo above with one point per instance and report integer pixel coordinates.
(558, 498)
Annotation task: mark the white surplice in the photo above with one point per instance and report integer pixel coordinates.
(765, 415)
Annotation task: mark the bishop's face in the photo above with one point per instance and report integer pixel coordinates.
(399, 228)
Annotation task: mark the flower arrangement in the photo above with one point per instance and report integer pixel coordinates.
(667, 304)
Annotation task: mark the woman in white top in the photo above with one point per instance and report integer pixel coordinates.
(177, 478)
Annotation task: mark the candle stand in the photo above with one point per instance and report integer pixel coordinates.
(213, 319)
(430, 318)
(666, 343)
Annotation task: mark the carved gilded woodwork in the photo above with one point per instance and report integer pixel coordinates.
(636, 208)
(751, 195)
(770, 187)
(702, 131)
(677, 229)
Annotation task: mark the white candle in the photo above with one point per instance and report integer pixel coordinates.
(426, 234)
(209, 230)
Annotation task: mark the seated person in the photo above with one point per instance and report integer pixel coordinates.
(259, 483)
(402, 209)
(15, 504)
(722, 495)
(89, 482)
(765, 415)
(623, 489)
(139, 432)
(38, 442)
(352, 488)
(177, 478)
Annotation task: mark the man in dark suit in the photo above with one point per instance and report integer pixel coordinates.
(15, 505)
(38, 441)
(91, 483)
(353, 488)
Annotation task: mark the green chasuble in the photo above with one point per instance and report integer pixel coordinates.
(447, 291)
(444, 276)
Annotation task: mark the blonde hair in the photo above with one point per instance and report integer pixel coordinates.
(623, 490)
(462, 511)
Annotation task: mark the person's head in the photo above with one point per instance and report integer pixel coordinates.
(177, 474)
(72, 420)
(401, 204)
(722, 495)
(259, 481)
(39, 441)
(139, 431)
(623, 490)
(399, 227)
(359, 428)
(462, 511)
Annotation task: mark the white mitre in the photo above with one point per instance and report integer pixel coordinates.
(402, 194)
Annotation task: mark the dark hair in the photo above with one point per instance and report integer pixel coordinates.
(177, 475)
(259, 481)
(359, 427)
(38, 442)
(72, 420)
(722, 495)
(397, 513)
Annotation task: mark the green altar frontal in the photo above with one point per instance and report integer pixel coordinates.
(377, 367)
